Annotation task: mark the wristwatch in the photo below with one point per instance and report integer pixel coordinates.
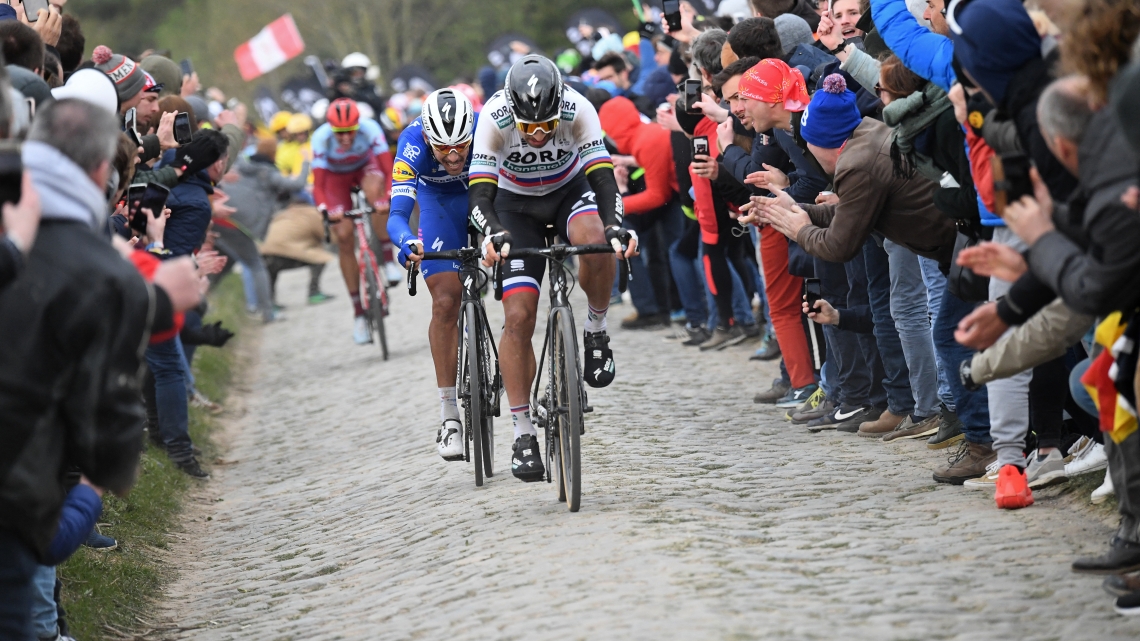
(840, 47)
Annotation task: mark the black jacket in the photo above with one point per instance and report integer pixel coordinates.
(75, 324)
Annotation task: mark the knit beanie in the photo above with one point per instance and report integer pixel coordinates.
(831, 116)
(166, 72)
(793, 31)
(129, 79)
(992, 40)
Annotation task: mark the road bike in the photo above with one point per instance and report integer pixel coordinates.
(373, 295)
(562, 405)
(478, 382)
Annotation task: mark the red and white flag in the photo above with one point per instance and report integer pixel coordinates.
(277, 43)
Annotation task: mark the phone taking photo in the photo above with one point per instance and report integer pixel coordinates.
(130, 123)
(183, 134)
(32, 9)
(152, 197)
(187, 67)
(692, 92)
(1011, 179)
(813, 293)
(700, 146)
(672, 11)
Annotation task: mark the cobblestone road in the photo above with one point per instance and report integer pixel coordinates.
(703, 517)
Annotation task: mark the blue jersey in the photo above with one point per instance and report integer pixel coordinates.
(418, 177)
(368, 144)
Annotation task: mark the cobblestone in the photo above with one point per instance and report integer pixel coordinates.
(703, 516)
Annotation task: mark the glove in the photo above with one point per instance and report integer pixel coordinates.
(624, 237)
(648, 29)
(410, 246)
(195, 156)
(213, 335)
(500, 240)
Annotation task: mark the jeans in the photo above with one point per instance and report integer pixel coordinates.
(233, 242)
(910, 307)
(45, 613)
(972, 407)
(1008, 397)
(896, 380)
(1077, 388)
(785, 306)
(935, 286)
(650, 288)
(166, 364)
(852, 377)
(741, 306)
(687, 274)
(17, 567)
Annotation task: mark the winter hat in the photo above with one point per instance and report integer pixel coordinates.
(992, 40)
(831, 116)
(129, 79)
(793, 31)
(91, 85)
(166, 72)
(30, 84)
(772, 80)
(8, 12)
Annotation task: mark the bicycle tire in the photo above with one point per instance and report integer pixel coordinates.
(375, 310)
(474, 389)
(487, 381)
(567, 388)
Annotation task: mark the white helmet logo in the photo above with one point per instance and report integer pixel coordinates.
(446, 111)
(533, 84)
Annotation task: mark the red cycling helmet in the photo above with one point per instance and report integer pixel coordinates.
(343, 115)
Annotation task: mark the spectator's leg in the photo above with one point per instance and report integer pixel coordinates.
(640, 285)
(910, 309)
(249, 288)
(1008, 397)
(17, 567)
(1078, 390)
(741, 301)
(900, 400)
(1124, 468)
(935, 286)
(1048, 391)
(44, 610)
(315, 278)
(852, 376)
(165, 362)
(682, 255)
(718, 278)
(254, 274)
(273, 267)
(784, 303)
(971, 407)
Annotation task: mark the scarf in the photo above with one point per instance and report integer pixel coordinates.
(66, 191)
(908, 117)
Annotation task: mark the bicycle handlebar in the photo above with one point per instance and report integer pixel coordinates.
(462, 254)
(559, 252)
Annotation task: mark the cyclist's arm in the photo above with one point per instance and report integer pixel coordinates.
(404, 177)
(483, 178)
(320, 164)
(598, 165)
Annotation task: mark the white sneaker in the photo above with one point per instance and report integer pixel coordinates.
(1101, 494)
(393, 273)
(361, 332)
(449, 440)
(1040, 473)
(1088, 457)
(987, 482)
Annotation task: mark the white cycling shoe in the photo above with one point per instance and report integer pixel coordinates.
(393, 273)
(360, 331)
(449, 440)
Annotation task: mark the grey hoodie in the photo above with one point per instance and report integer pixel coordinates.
(66, 191)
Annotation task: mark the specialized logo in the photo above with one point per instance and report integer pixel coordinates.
(437, 245)
(411, 152)
(533, 84)
(402, 172)
(446, 111)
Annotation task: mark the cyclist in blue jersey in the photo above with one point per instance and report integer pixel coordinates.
(431, 165)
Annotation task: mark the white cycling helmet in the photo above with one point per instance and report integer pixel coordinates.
(356, 59)
(448, 118)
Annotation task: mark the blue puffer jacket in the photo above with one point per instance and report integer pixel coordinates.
(922, 51)
(190, 214)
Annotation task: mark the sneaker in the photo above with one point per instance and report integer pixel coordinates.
(1012, 491)
(678, 316)
(449, 440)
(769, 349)
(779, 389)
(600, 369)
(969, 462)
(949, 431)
(722, 338)
(1128, 605)
(811, 409)
(1087, 457)
(1121, 584)
(986, 482)
(319, 297)
(615, 299)
(526, 464)
(849, 419)
(100, 542)
(651, 321)
(751, 331)
(192, 468)
(393, 274)
(198, 399)
(1044, 471)
(796, 397)
(1101, 494)
(361, 333)
(908, 429)
(885, 424)
(697, 335)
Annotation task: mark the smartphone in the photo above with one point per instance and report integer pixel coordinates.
(813, 292)
(187, 67)
(183, 134)
(32, 9)
(154, 199)
(11, 171)
(672, 11)
(133, 200)
(1011, 179)
(692, 92)
(130, 124)
(700, 146)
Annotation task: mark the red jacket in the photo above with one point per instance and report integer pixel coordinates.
(647, 142)
(703, 201)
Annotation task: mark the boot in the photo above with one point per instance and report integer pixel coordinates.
(886, 423)
(968, 463)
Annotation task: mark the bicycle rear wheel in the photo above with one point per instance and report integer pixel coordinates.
(566, 386)
(476, 421)
(487, 379)
(376, 310)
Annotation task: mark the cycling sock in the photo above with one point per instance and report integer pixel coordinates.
(520, 416)
(448, 407)
(357, 307)
(595, 319)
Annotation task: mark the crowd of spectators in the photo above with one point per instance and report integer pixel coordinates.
(926, 212)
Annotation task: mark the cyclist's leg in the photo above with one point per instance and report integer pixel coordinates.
(373, 184)
(443, 226)
(339, 194)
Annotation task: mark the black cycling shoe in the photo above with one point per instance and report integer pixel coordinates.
(526, 463)
(600, 369)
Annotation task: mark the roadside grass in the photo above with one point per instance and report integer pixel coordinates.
(108, 595)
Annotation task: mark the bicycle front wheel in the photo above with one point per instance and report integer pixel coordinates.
(475, 420)
(376, 310)
(566, 385)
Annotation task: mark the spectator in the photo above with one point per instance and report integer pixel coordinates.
(295, 239)
(773, 9)
(130, 81)
(71, 44)
(22, 46)
(166, 73)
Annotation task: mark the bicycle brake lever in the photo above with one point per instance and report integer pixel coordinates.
(498, 281)
(624, 278)
(412, 269)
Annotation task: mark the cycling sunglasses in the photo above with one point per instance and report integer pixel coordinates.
(346, 130)
(447, 150)
(532, 128)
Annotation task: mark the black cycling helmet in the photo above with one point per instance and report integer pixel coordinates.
(534, 89)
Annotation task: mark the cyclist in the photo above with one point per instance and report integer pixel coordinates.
(438, 180)
(538, 162)
(350, 151)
